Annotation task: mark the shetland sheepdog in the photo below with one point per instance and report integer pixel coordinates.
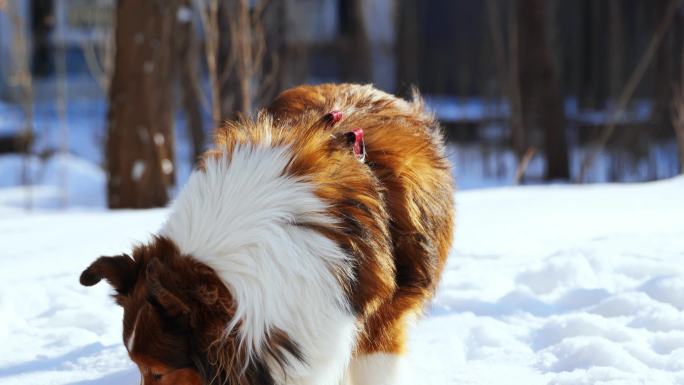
(298, 252)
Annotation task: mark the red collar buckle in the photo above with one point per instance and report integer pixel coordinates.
(333, 117)
(355, 138)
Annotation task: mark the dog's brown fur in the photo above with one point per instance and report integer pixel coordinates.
(396, 219)
(409, 170)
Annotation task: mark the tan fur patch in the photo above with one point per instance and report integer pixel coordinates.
(396, 210)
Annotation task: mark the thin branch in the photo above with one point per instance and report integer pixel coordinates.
(230, 63)
(22, 80)
(209, 21)
(514, 93)
(62, 94)
(99, 54)
(524, 163)
(96, 69)
(630, 88)
(678, 114)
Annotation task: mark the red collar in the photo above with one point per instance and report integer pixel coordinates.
(354, 137)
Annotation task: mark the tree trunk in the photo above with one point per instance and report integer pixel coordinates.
(356, 60)
(407, 45)
(518, 126)
(187, 52)
(616, 48)
(235, 59)
(42, 25)
(664, 75)
(678, 111)
(242, 50)
(679, 131)
(140, 137)
(275, 65)
(508, 75)
(586, 95)
(542, 103)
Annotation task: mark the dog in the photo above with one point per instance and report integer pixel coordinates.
(300, 250)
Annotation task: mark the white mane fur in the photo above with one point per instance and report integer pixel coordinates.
(239, 216)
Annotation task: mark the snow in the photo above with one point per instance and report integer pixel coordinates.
(455, 109)
(475, 109)
(478, 165)
(138, 169)
(561, 285)
(60, 180)
(545, 285)
(184, 14)
(53, 330)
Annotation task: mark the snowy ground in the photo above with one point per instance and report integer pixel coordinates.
(561, 285)
(546, 285)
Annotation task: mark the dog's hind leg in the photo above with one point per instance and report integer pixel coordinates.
(376, 369)
(379, 358)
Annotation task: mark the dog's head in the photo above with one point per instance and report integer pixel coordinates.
(175, 309)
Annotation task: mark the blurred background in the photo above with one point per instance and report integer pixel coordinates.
(107, 103)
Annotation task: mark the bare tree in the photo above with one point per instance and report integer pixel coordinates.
(187, 51)
(518, 135)
(356, 43)
(22, 83)
(616, 48)
(98, 52)
(209, 16)
(235, 56)
(542, 102)
(678, 124)
(630, 87)
(407, 44)
(663, 63)
(62, 102)
(274, 69)
(140, 138)
(237, 60)
(507, 69)
(678, 113)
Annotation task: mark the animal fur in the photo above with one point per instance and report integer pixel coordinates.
(285, 259)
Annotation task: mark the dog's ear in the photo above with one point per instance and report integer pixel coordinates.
(120, 271)
(158, 295)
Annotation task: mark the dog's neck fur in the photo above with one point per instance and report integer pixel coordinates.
(241, 215)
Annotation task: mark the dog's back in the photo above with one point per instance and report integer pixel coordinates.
(405, 152)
